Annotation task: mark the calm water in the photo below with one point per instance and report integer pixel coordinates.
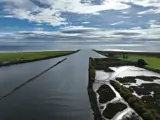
(59, 94)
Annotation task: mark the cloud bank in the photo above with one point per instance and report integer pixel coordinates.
(109, 22)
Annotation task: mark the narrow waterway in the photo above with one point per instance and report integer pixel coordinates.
(59, 94)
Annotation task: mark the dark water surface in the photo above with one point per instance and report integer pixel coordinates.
(59, 94)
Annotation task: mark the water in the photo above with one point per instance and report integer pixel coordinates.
(103, 77)
(123, 71)
(12, 76)
(59, 94)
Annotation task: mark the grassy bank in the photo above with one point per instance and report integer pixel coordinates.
(153, 62)
(92, 68)
(23, 57)
(152, 59)
(92, 95)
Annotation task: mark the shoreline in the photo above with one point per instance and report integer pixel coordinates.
(38, 59)
(92, 96)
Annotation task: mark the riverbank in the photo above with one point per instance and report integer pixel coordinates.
(152, 59)
(92, 95)
(24, 57)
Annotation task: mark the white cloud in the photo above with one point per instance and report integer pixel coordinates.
(117, 23)
(52, 15)
(150, 11)
(85, 22)
(136, 28)
(26, 10)
(88, 38)
(82, 33)
(39, 29)
(154, 24)
(77, 7)
(146, 3)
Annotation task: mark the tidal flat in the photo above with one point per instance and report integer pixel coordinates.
(131, 89)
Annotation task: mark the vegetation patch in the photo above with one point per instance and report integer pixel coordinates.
(133, 79)
(92, 71)
(133, 116)
(145, 88)
(140, 90)
(112, 109)
(94, 104)
(126, 79)
(23, 57)
(91, 92)
(112, 62)
(145, 110)
(150, 60)
(153, 101)
(147, 78)
(147, 99)
(105, 94)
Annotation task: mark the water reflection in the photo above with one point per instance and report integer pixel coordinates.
(60, 94)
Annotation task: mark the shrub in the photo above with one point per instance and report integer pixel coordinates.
(141, 63)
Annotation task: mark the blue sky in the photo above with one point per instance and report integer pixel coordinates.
(73, 24)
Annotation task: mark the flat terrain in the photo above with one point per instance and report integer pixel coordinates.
(153, 62)
(138, 85)
(152, 59)
(22, 57)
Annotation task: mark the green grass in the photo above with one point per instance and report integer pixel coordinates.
(15, 58)
(152, 59)
(153, 62)
(92, 68)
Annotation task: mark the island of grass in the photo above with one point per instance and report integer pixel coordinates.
(23, 57)
(152, 59)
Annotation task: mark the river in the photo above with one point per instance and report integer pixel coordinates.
(59, 94)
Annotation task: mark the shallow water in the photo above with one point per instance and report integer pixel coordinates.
(128, 71)
(123, 71)
(103, 77)
(117, 99)
(59, 94)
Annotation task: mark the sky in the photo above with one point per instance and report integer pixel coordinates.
(27, 25)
